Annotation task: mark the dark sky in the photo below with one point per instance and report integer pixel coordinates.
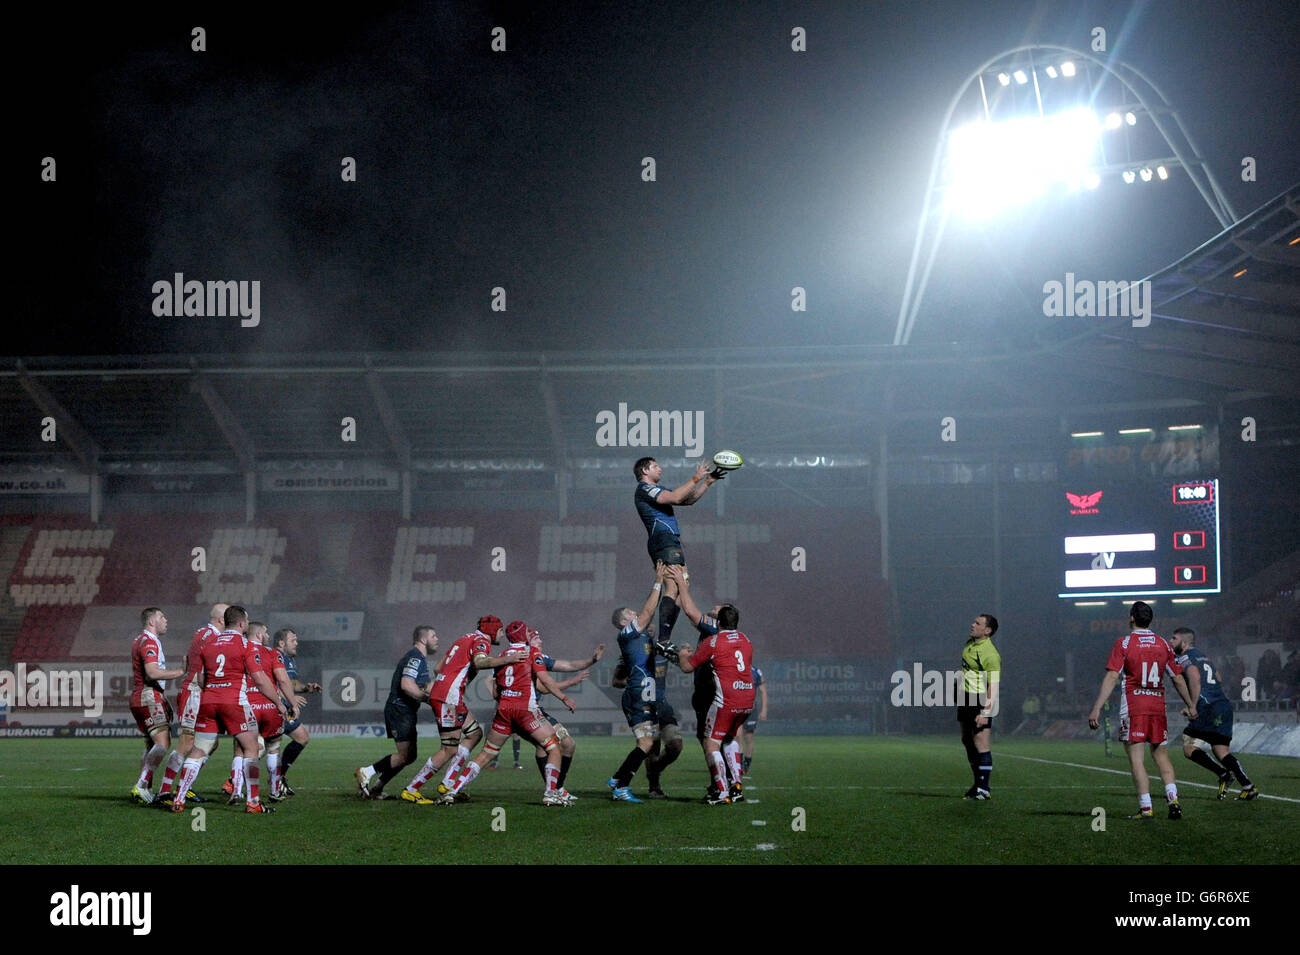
(523, 169)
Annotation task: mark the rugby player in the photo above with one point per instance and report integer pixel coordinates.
(732, 658)
(225, 708)
(408, 689)
(654, 505)
(517, 712)
(1213, 722)
(568, 745)
(286, 645)
(187, 702)
(1143, 658)
(640, 694)
(458, 731)
(149, 706)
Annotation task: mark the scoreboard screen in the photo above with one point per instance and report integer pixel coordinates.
(1142, 539)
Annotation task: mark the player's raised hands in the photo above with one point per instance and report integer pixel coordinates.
(598, 653)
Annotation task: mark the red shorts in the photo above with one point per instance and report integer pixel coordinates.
(524, 722)
(270, 723)
(1153, 729)
(228, 718)
(189, 703)
(450, 717)
(724, 722)
(154, 712)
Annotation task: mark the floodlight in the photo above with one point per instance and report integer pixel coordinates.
(1051, 72)
(1130, 118)
(994, 165)
(1067, 68)
(1020, 76)
(1004, 79)
(1129, 176)
(1162, 172)
(1145, 173)
(1114, 120)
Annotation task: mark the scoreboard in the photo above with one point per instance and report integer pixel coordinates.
(1145, 538)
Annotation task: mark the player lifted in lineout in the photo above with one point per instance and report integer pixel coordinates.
(654, 505)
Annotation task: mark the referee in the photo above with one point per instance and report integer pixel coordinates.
(981, 670)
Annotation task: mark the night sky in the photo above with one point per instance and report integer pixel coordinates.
(522, 169)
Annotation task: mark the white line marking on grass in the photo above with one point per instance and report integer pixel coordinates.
(1125, 772)
(761, 847)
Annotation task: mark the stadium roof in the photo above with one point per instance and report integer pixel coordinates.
(1225, 330)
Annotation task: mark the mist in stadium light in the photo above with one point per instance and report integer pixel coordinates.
(995, 166)
(1092, 180)
(1114, 120)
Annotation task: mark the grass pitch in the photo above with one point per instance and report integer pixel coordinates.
(876, 800)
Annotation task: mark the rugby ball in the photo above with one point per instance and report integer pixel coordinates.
(727, 460)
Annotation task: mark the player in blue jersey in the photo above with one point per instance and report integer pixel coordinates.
(654, 505)
(752, 725)
(409, 688)
(1213, 722)
(639, 697)
(286, 645)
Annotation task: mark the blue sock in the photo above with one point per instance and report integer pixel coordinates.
(985, 770)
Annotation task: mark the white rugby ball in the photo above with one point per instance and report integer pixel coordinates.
(728, 460)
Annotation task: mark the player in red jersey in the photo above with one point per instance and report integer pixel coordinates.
(517, 713)
(732, 657)
(225, 707)
(187, 702)
(706, 691)
(152, 712)
(1143, 659)
(457, 728)
(270, 724)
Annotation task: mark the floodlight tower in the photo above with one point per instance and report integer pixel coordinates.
(1058, 142)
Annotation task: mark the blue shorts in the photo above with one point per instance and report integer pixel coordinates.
(399, 721)
(290, 727)
(638, 710)
(666, 547)
(667, 715)
(1214, 724)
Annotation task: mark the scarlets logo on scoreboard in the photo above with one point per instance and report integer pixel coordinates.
(1084, 503)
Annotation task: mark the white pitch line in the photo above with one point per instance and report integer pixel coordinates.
(1125, 772)
(762, 847)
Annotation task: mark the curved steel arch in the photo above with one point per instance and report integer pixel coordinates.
(1194, 164)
